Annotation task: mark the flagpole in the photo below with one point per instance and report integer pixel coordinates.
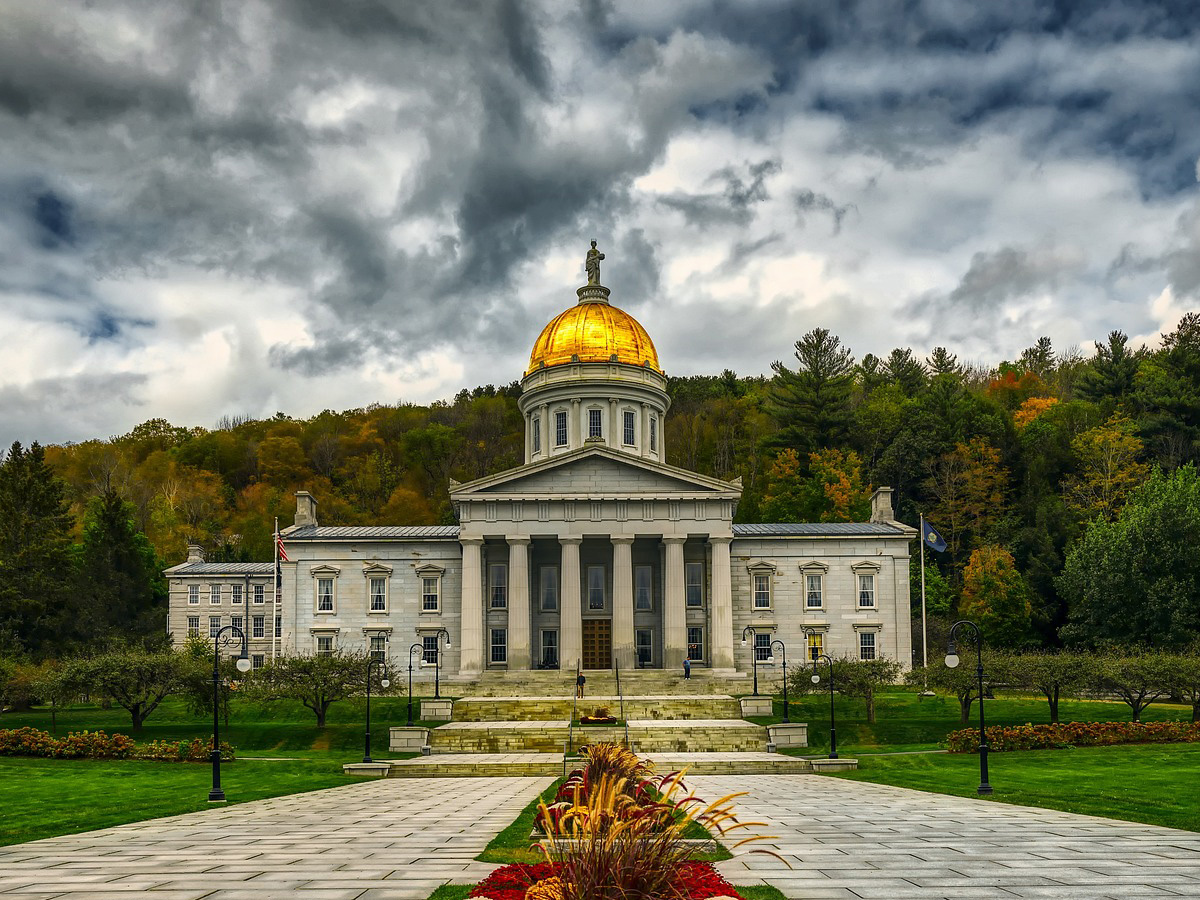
(924, 629)
(275, 593)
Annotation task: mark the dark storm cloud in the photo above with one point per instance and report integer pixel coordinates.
(73, 408)
(808, 201)
(739, 192)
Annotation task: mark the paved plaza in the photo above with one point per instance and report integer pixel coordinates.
(847, 839)
(398, 839)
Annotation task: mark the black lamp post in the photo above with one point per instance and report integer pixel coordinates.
(222, 638)
(749, 629)
(437, 661)
(783, 651)
(410, 653)
(816, 679)
(952, 662)
(384, 683)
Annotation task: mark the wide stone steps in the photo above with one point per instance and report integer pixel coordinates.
(601, 683)
(658, 706)
(466, 765)
(646, 736)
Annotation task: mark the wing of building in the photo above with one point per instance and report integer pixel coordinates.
(595, 551)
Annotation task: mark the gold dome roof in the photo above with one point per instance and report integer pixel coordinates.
(593, 331)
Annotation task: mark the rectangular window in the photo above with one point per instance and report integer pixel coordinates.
(429, 594)
(813, 599)
(279, 626)
(214, 594)
(193, 594)
(816, 645)
(499, 579)
(560, 429)
(379, 647)
(595, 423)
(643, 594)
(550, 649)
(429, 649)
(536, 433)
(214, 626)
(866, 591)
(258, 593)
(762, 646)
(499, 645)
(695, 648)
(762, 591)
(628, 430)
(257, 660)
(324, 645)
(236, 622)
(193, 625)
(549, 588)
(595, 587)
(324, 595)
(643, 639)
(694, 583)
(237, 594)
(258, 626)
(654, 433)
(866, 645)
(377, 595)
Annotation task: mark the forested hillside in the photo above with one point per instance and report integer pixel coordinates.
(1011, 464)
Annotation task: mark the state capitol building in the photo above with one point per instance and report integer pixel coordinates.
(595, 551)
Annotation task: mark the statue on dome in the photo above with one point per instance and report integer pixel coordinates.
(592, 264)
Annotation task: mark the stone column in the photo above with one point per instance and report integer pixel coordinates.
(519, 621)
(471, 654)
(644, 435)
(721, 638)
(547, 439)
(622, 617)
(615, 439)
(571, 618)
(574, 427)
(674, 618)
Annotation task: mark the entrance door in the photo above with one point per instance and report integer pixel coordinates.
(597, 644)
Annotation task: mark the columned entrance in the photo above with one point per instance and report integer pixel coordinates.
(597, 644)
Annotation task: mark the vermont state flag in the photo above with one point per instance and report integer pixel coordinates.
(933, 539)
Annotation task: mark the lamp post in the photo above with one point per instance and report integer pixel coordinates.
(411, 648)
(749, 629)
(816, 679)
(222, 638)
(952, 662)
(783, 650)
(437, 661)
(384, 683)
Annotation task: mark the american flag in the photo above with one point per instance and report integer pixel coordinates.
(279, 546)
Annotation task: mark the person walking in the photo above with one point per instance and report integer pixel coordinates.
(687, 668)
(580, 681)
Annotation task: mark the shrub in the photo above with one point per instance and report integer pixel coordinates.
(1074, 734)
(98, 745)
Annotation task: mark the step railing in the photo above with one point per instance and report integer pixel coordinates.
(621, 699)
(570, 748)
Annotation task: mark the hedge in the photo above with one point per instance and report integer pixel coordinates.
(1074, 734)
(98, 745)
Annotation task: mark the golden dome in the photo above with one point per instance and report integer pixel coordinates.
(593, 331)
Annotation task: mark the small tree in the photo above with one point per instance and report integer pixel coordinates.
(136, 680)
(963, 681)
(863, 677)
(1054, 674)
(1185, 679)
(316, 681)
(1138, 678)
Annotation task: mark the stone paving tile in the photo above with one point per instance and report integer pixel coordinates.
(392, 839)
(846, 839)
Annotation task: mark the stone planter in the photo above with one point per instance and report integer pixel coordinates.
(408, 740)
(787, 735)
(437, 710)
(756, 706)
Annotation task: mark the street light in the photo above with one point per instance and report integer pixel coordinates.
(753, 654)
(411, 648)
(952, 662)
(816, 679)
(384, 683)
(223, 638)
(437, 661)
(783, 650)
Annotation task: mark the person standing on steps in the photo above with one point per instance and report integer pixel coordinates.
(687, 668)
(580, 681)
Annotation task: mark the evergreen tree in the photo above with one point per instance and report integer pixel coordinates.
(905, 371)
(1109, 378)
(812, 403)
(943, 362)
(1168, 395)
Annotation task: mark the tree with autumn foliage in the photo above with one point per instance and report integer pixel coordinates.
(1109, 468)
(995, 597)
(830, 491)
(969, 486)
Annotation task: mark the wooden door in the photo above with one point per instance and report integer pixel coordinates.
(597, 644)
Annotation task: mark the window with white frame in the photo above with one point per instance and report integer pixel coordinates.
(643, 591)
(762, 590)
(193, 625)
(324, 645)
(693, 579)
(866, 591)
(595, 423)
(548, 588)
(324, 595)
(654, 433)
(536, 433)
(762, 646)
(259, 593)
(214, 594)
(378, 649)
(816, 645)
(258, 626)
(499, 645)
(595, 576)
(695, 643)
(378, 593)
(498, 578)
(236, 622)
(866, 645)
(214, 626)
(430, 593)
(643, 639)
(560, 429)
(237, 595)
(429, 649)
(814, 591)
(550, 648)
(193, 594)
(257, 660)
(628, 435)
(279, 626)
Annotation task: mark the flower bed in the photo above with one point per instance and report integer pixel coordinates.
(696, 881)
(98, 745)
(1074, 734)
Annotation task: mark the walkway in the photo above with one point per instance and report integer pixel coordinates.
(847, 839)
(396, 839)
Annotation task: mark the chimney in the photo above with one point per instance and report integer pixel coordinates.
(881, 506)
(306, 509)
(195, 553)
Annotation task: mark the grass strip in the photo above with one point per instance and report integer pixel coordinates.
(512, 845)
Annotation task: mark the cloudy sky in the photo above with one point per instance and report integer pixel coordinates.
(232, 208)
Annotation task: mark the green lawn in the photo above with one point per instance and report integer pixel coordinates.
(48, 797)
(1137, 783)
(907, 721)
